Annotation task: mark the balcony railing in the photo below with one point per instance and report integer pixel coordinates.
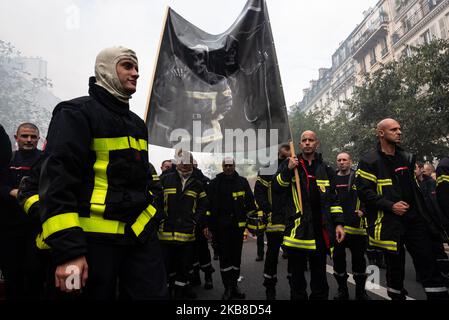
(416, 18)
(343, 78)
(375, 26)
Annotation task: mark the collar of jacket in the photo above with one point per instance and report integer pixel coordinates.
(318, 157)
(107, 99)
(399, 151)
(223, 176)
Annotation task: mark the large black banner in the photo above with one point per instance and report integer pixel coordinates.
(204, 84)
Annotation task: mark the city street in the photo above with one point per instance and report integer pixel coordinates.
(252, 279)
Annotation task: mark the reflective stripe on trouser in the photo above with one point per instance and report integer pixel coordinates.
(417, 239)
(274, 241)
(230, 241)
(177, 258)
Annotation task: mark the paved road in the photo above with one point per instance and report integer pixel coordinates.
(252, 271)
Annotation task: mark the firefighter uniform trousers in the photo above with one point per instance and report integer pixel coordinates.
(417, 240)
(178, 262)
(274, 242)
(230, 243)
(357, 245)
(297, 263)
(130, 263)
(201, 254)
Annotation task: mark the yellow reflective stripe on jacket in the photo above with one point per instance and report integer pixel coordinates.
(297, 223)
(40, 244)
(323, 183)
(100, 182)
(120, 143)
(170, 191)
(281, 182)
(203, 194)
(443, 178)
(264, 182)
(295, 198)
(155, 177)
(143, 219)
(176, 236)
(242, 224)
(97, 224)
(366, 175)
(275, 228)
(191, 193)
(378, 223)
(208, 214)
(60, 222)
(356, 231)
(301, 244)
(29, 203)
(388, 245)
(336, 209)
(238, 194)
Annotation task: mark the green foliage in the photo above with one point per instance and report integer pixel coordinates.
(413, 90)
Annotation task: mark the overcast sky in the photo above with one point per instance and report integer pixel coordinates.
(69, 34)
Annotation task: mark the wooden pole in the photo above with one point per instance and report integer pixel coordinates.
(298, 185)
(164, 23)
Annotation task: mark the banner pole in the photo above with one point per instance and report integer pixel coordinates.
(164, 24)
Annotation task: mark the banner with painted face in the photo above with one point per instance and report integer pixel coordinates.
(208, 89)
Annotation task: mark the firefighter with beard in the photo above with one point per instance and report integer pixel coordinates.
(311, 229)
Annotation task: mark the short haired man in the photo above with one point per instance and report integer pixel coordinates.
(17, 230)
(311, 230)
(231, 200)
(356, 239)
(397, 214)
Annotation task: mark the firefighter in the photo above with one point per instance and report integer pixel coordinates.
(276, 224)
(18, 250)
(397, 214)
(231, 200)
(356, 238)
(310, 232)
(201, 254)
(96, 206)
(185, 203)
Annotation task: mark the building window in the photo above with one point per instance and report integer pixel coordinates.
(426, 37)
(384, 46)
(372, 56)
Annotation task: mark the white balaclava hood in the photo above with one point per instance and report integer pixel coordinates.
(106, 72)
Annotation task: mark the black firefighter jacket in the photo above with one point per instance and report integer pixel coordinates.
(379, 188)
(230, 201)
(350, 202)
(265, 199)
(93, 181)
(299, 229)
(184, 209)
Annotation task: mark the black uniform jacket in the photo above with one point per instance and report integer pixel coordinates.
(94, 178)
(184, 208)
(299, 230)
(379, 187)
